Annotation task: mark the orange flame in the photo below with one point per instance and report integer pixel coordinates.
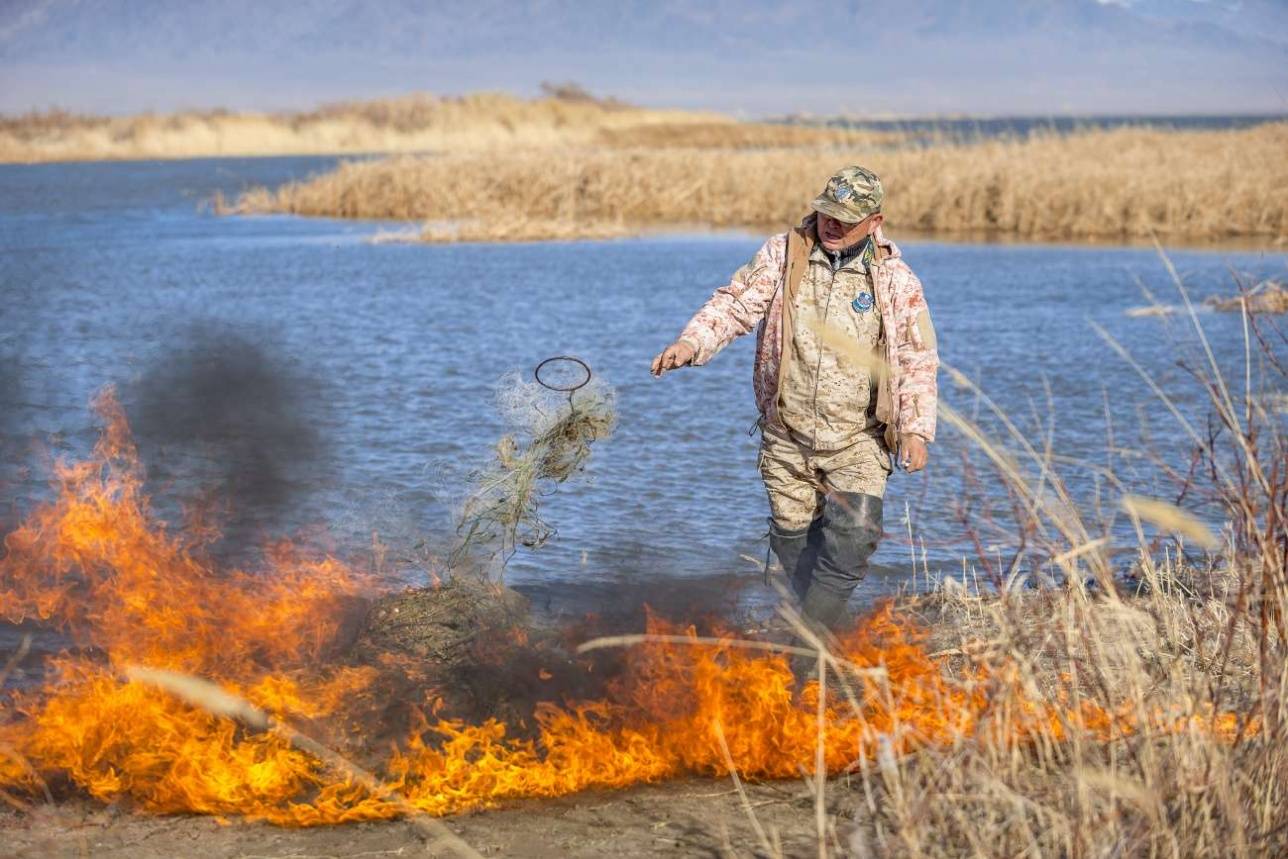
(97, 564)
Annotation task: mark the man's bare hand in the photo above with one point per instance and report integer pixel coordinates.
(913, 454)
(678, 354)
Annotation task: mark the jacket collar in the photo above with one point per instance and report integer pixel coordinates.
(884, 249)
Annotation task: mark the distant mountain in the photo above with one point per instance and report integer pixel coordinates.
(754, 56)
(1257, 19)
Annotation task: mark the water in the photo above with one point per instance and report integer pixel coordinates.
(385, 358)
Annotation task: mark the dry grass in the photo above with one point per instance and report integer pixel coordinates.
(1180, 784)
(1266, 297)
(725, 135)
(518, 229)
(1190, 664)
(1193, 185)
(420, 122)
(413, 123)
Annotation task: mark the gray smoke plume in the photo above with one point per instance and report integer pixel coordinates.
(226, 417)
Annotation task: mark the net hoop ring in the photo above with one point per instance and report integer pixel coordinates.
(567, 389)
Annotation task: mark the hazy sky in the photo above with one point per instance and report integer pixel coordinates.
(754, 57)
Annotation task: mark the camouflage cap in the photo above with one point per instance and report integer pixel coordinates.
(851, 195)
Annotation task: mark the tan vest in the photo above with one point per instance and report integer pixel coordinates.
(826, 399)
(800, 244)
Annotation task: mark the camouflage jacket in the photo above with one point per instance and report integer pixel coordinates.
(907, 393)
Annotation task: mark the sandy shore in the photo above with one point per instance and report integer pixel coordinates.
(695, 817)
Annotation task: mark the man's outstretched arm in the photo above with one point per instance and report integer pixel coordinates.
(733, 310)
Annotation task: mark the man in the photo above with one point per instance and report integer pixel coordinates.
(844, 377)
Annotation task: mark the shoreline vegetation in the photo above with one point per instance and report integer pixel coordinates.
(568, 165)
(1093, 185)
(419, 122)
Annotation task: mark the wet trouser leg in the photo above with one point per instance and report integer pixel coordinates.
(850, 529)
(790, 547)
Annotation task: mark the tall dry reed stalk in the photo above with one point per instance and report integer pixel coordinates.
(1096, 185)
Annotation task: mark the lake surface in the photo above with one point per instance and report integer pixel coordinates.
(337, 387)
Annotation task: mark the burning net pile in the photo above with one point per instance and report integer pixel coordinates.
(95, 563)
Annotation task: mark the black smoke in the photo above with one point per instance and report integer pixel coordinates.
(227, 420)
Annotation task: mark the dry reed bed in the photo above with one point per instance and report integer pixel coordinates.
(1174, 783)
(418, 122)
(413, 123)
(1095, 185)
(1143, 721)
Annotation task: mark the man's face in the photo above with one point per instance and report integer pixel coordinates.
(837, 235)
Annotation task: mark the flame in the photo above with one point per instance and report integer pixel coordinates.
(97, 564)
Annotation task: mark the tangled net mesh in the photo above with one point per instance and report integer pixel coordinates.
(549, 441)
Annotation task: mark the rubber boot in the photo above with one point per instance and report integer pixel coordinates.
(849, 531)
(822, 610)
(791, 549)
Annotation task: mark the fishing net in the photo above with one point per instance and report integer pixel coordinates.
(440, 625)
(553, 419)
